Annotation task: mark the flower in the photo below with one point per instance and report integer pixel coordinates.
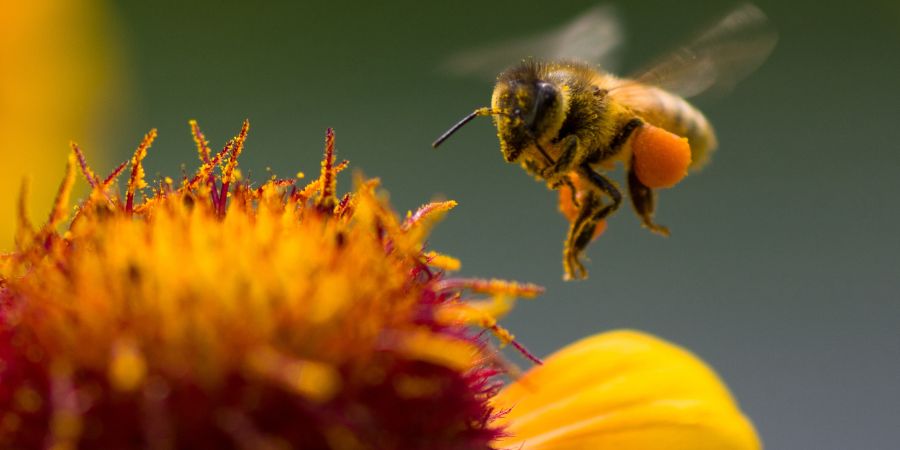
(215, 313)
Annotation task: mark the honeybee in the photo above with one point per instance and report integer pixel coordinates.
(565, 120)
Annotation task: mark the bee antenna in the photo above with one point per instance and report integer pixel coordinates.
(478, 112)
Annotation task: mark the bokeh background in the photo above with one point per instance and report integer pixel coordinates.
(782, 270)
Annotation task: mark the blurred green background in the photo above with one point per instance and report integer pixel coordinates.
(782, 270)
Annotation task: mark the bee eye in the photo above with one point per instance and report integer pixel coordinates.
(546, 92)
(544, 102)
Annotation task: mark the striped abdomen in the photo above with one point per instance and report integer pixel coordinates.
(670, 112)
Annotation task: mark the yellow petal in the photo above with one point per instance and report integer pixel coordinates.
(623, 390)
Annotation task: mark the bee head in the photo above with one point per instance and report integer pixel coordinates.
(527, 109)
(532, 111)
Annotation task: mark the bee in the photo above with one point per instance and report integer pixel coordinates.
(566, 121)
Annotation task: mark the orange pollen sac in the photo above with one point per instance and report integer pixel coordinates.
(661, 158)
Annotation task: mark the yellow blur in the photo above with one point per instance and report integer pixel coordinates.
(59, 81)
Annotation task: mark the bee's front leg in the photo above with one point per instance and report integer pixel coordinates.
(591, 212)
(644, 201)
(532, 167)
(570, 157)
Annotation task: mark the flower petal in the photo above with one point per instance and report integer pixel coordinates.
(623, 390)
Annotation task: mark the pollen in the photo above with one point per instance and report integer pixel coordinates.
(661, 158)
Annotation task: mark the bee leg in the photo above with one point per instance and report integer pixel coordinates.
(571, 156)
(644, 201)
(591, 213)
(572, 266)
(532, 168)
(574, 193)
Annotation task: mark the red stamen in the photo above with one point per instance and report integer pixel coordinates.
(202, 144)
(316, 184)
(327, 177)
(228, 173)
(85, 169)
(427, 210)
(524, 351)
(136, 181)
(206, 170)
(108, 181)
(61, 202)
(341, 208)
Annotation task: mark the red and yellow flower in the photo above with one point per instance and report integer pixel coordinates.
(214, 313)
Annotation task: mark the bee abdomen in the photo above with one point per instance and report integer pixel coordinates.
(676, 115)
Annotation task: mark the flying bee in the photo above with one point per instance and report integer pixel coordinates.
(565, 121)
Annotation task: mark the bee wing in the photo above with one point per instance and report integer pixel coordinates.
(718, 58)
(592, 36)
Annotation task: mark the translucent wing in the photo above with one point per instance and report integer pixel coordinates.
(593, 36)
(718, 58)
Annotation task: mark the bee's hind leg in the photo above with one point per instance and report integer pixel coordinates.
(591, 212)
(644, 201)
